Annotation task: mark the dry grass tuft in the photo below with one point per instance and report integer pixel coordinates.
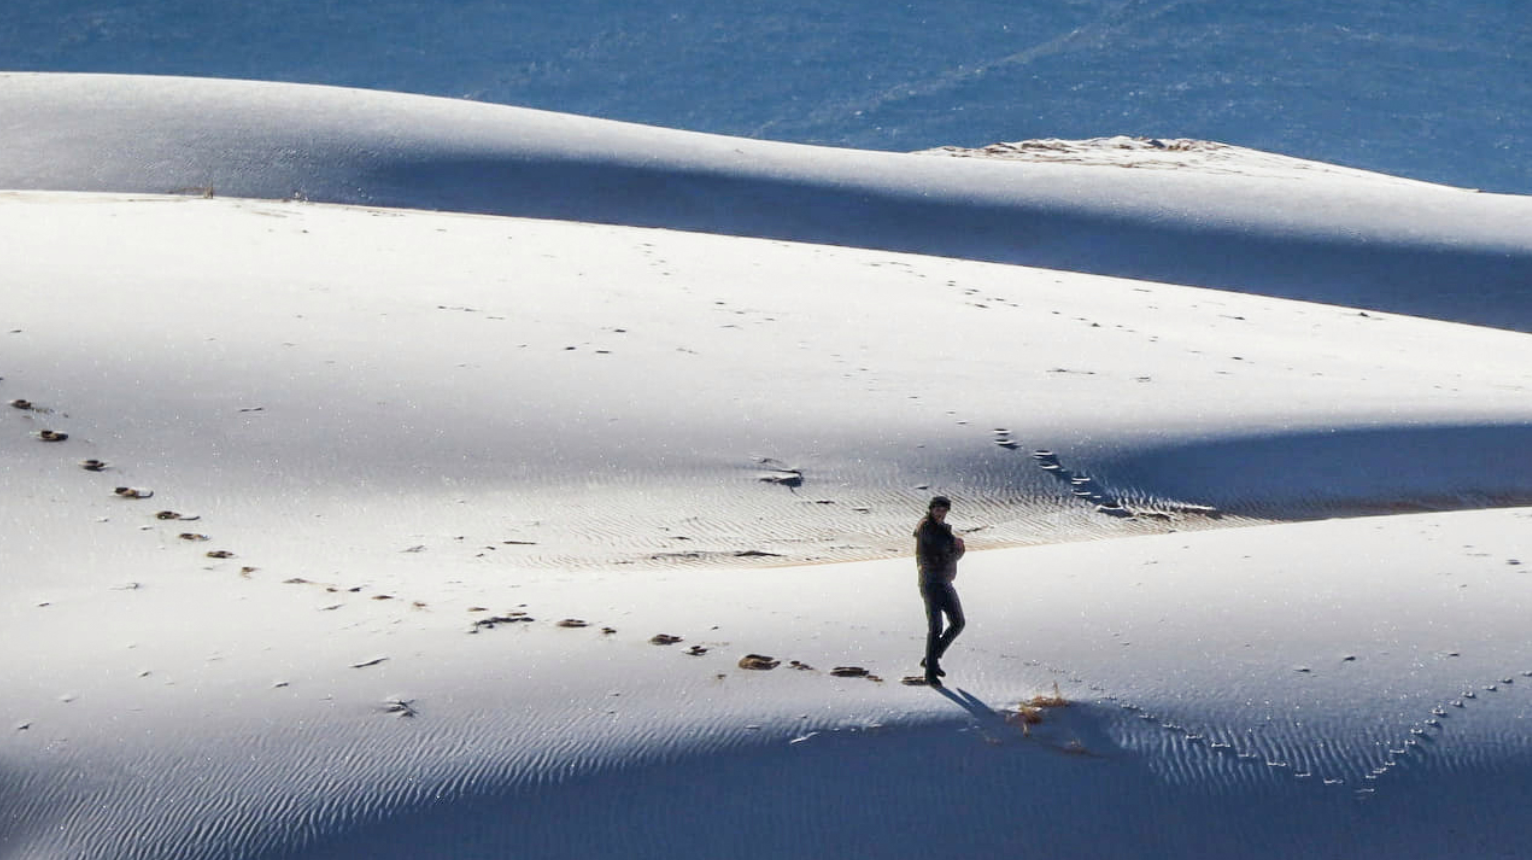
(1026, 715)
(1030, 712)
(1056, 700)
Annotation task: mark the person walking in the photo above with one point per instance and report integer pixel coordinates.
(937, 551)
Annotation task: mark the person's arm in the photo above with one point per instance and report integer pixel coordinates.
(928, 548)
(958, 548)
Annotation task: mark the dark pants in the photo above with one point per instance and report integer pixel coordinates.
(940, 598)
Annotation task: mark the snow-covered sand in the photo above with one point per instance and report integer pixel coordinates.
(394, 426)
(1271, 229)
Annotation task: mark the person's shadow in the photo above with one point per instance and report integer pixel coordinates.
(970, 703)
(1079, 738)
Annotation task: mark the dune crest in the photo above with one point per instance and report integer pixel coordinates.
(1401, 247)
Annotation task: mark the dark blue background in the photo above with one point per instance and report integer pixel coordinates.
(1435, 89)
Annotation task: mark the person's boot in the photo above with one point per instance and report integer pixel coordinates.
(934, 673)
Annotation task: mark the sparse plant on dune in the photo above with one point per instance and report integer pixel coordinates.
(1030, 712)
(1025, 716)
(1056, 700)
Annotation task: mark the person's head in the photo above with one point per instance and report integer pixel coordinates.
(939, 507)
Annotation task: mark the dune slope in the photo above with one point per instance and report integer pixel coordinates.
(686, 397)
(341, 530)
(1380, 244)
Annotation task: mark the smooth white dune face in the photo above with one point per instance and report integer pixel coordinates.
(394, 427)
(1248, 224)
(684, 396)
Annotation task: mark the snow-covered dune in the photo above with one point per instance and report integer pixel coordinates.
(1335, 689)
(607, 384)
(1403, 247)
(338, 530)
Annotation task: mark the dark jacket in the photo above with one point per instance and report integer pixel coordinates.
(936, 551)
